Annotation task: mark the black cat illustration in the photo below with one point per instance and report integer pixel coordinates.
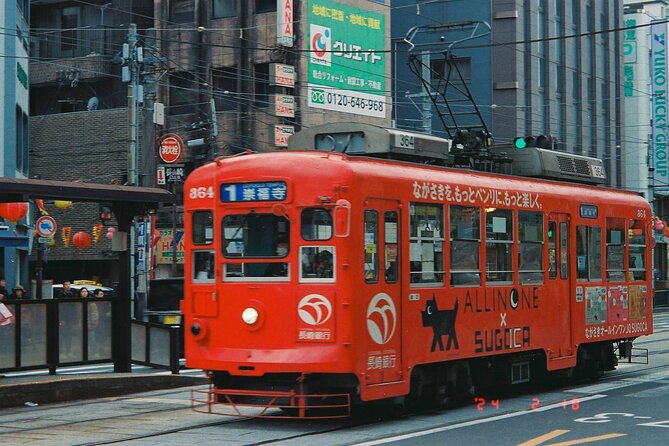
(442, 323)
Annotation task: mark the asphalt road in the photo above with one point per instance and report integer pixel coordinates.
(627, 407)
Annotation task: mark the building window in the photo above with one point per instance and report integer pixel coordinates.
(19, 139)
(224, 8)
(439, 68)
(183, 94)
(265, 6)
(261, 74)
(225, 81)
(24, 8)
(69, 21)
(182, 11)
(22, 141)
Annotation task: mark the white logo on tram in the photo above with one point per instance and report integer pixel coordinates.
(381, 318)
(314, 309)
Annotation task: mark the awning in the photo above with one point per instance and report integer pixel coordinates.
(14, 242)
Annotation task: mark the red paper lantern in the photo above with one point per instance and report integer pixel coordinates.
(81, 240)
(13, 211)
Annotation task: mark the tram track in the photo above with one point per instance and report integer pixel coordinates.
(144, 410)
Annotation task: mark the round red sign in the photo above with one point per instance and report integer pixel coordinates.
(170, 149)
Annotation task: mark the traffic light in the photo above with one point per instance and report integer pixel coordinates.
(105, 213)
(523, 141)
(540, 142)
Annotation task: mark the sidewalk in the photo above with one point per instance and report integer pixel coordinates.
(19, 389)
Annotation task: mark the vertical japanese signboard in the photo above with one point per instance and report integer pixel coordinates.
(284, 23)
(659, 102)
(346, 67)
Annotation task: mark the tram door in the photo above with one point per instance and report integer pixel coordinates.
(558, 276)
(382, 291)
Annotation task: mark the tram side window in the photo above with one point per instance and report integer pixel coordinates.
(465, 230)
(203, 227)
(371, 246)
(637, 244)
(203, 266)
(552, 250)
(589, 253)
(498, 242)
(426, 239)
(316, 224)
(564, 250)
(615, 249)
(530, 246)
(253, 236)
(391, 246)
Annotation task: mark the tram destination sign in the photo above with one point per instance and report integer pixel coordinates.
(267, 191)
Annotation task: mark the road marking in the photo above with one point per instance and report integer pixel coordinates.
(556, 433)
(471, 423)
(544, 437)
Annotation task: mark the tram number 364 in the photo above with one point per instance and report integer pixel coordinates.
(201, 192)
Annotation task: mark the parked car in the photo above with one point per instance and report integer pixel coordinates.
(79, 284)
(163, 301)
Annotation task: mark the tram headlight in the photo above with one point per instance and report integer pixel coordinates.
(199, 329)
(250, 315)
(195, 329)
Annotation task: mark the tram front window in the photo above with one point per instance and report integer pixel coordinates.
(317, 263)
(255, 236)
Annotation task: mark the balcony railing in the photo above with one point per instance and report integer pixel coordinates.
(75, 42)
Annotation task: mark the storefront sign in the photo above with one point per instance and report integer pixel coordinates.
(284, 105)
(659, 102)
(281, 133)
(282, 75)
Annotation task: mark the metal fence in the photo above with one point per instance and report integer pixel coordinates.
(53, 333)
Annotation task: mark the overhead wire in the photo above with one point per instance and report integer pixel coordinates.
(249, 95)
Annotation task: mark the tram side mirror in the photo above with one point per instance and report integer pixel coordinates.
(342, 218)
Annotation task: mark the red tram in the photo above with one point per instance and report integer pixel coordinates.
(316, 280)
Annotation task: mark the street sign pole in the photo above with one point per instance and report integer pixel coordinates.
(39, 270)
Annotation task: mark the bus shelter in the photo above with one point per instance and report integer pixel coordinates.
(126, 202)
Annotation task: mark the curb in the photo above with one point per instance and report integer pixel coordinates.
(68, 388)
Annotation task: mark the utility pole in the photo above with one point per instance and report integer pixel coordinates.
(147, 155)
(132, 57)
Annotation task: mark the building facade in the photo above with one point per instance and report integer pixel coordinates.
(15, 237)
(79, 120)
(544, 68)
(223, 76)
